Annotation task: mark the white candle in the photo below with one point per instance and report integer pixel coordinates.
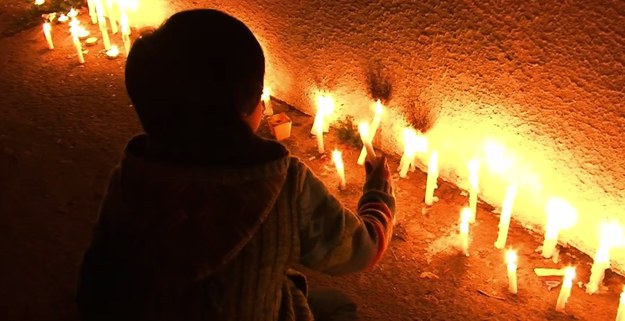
(319, 128)
(266, 99)
(465, 217)
(432, 180)
(611, 236)
(102, 23)
(77, 44)
(506, 214)
(410, 150)
(92, 12)
(375, 124)
(620, 314)
(112, 16)
(125, 33)
(565, 291)
(474, 167)
(560, 215)
(363, 129)
(511, 260)
(325, 107)
(340, 170)
(46, 32)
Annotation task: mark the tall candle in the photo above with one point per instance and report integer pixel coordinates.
(125, 33)
(363, 129)
(325, 107)
(565, 291)
(506, 214)
(102, 24)
(511, 260)
(431, 183)
(112, 14)
(611, 236)
(266, 99)
(340, 170)
(319, 128)
(375, 123)
(92, 11)
(620, 314)
(474, 167)
(77, 44)
(46, 32)
(410, 150)
(560, 215)
(465, 218)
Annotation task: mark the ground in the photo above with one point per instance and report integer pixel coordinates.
(63, 127)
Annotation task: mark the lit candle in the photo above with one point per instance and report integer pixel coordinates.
(611, 236)
(62, 18)
(474, 167)
(77, 44)
(102, 23)
(620, 314)
(72, 13)
(113, 52)
(375, 124)
(421, 144)
(363, 129)
(325, 106)
(266, 99)
(340, 170)
(506, 214)
(511, 260)
(560, 215)
(410, 150)
(125, 33)
(39, 2)
(46, 32)
(565, 291)
(431, 183)
(465, 217)
(112, 16)
(92, 12)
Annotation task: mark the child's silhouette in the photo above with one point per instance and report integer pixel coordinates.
(203, 219)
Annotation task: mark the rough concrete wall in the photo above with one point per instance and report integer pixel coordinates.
(544, 80)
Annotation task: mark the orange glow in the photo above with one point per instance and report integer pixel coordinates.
(511, 258)
(496, 158)
(560, 215)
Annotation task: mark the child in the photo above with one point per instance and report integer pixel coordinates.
(203, 219)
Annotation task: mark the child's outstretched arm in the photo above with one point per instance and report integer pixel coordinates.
(336, 241)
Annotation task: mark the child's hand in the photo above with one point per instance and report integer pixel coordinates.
(377, 169)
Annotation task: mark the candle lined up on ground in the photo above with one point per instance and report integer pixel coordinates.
(102, 24)
(565, 291)
(611, 236)
(77, 44)
(511, 261)
(373, 129)
(266, 99)
(506, 215)
(337, 158)
(125, 32)
(620, 314)
(474, 168)
(410, 151)
(363, 129)
(47, 27)
(465, 219)
(560, 215)
(92, 11)
(432, 179)
(325, 106)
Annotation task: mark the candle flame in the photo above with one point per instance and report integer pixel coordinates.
(47, 27)
(511, 257)
(569, 273)
(266, 95)
(363, 129)
(465, 215)
(379, 109)
(337, 158)
(39, 2)
(325, 105)
(560, 215)
(62, 18)
(72, 13)
(496, 158)
(474, 167)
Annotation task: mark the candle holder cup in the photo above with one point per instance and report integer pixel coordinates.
(280, 125)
